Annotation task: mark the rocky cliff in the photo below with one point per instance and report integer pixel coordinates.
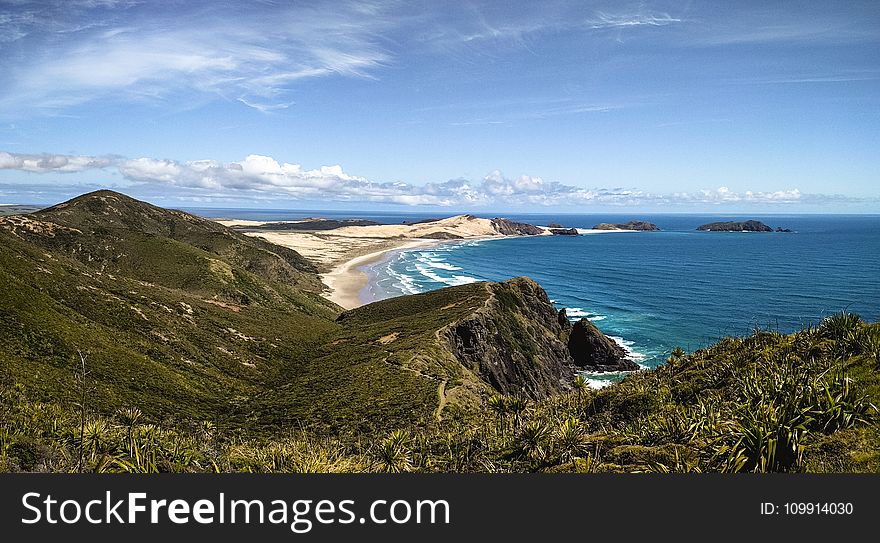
(592, 350)
(508, 227)
(564, 231)
(518, 343)
(513, 341)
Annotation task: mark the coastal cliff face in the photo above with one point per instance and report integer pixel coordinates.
(592, 350)
(507, 227)
(481, 339)
(513, 341)
(564, 232)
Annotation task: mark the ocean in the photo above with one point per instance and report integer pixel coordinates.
(653, 291)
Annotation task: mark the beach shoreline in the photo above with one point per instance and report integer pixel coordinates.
(346, 281)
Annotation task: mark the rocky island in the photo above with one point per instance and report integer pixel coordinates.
(640, 226)
(591, 350)
(739, 226)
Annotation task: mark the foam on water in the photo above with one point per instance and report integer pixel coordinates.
(403, 281)
(455, 280)
(576, 313)
(435, 261)
(630, 353)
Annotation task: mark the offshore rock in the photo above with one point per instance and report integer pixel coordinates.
(593, 351)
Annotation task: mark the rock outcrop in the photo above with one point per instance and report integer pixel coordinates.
(442, 235)
(735, 226)
(592, 350)
(508, 227)
(564, 232)
(642, 226)
(518, 343)
(513, 341)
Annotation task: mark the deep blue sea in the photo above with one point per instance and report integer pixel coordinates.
(653, 291)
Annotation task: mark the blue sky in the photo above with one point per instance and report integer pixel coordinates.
(571, 106)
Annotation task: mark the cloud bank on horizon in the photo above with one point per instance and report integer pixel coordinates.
(264, 178)
(772, 105)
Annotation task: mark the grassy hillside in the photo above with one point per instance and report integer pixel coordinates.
(121, 235)
(769, 402)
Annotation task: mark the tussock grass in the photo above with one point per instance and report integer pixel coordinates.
(765, 403)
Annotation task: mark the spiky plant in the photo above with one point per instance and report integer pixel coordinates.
(845, 329)
(581, 386)
(130, 417)
(498, 404)
(394, 454)
(533, 440)
(96, 437)
(869, 341)
(569, 443)
(516, 405)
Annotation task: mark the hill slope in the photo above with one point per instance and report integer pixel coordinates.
(181, 316)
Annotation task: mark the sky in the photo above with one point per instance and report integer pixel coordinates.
(463, 105)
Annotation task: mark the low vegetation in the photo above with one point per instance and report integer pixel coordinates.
(804, 402)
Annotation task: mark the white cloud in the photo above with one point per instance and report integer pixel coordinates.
(51, 163)
(263, 177)
(258, 174)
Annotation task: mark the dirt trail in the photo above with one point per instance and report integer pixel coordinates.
(441, 393)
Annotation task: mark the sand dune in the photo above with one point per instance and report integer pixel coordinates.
(463, 226)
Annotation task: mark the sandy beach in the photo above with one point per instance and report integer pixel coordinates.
(341, 253)
(346, 281)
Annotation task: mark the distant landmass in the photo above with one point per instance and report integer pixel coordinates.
(641, 226)
(739, 226)
(16, 209)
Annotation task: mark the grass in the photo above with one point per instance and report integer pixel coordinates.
(765, 403)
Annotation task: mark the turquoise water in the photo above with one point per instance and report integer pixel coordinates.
(653, 291)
